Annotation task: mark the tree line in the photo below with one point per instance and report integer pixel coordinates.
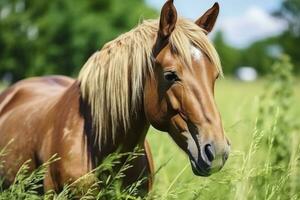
(263, 53)
(57, 37)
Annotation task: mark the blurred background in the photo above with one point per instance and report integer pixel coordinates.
(57, 36)
(258, 43)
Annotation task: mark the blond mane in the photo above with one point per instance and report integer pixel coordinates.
(112, 78)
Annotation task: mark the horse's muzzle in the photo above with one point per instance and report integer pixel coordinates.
(198, 170)
(204, 158)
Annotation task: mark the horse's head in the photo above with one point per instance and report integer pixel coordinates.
(179, 95)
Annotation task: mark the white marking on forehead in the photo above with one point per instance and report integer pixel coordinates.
(196, 53)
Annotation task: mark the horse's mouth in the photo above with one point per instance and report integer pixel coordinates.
(197, 170)
(199, 166)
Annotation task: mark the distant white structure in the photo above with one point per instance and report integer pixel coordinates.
(246, 73)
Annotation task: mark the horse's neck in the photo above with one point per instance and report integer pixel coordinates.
(124, 141)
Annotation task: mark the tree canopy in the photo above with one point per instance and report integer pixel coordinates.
(57, 37)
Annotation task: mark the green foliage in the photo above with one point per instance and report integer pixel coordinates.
(26, 184)
(289, 43)
(259, 54)
(47, 37)
(104, 182)
(107, 176)
(229, 56)
(277, 130)
(277, 101)
(290, 12)
(289, 40)
(256, 55)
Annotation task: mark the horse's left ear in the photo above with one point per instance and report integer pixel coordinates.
(208, 20)
(168, 18)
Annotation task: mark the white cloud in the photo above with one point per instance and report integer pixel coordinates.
(254, 25)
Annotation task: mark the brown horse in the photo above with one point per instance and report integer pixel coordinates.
(161, 73)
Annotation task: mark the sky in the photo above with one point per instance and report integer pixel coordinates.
(242, 21)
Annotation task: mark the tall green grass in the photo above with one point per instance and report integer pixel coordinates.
(262, 121)
(108, 176)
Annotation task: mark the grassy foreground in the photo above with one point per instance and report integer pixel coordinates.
(262, 121)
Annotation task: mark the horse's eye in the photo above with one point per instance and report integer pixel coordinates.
(171, 76)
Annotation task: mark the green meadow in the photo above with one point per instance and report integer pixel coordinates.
(262, 121)
(238, 103)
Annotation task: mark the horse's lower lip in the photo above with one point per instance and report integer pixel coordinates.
(197, 170)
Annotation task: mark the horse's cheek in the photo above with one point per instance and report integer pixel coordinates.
(157, 116)
(155, 111)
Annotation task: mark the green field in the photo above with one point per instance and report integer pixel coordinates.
(238, 103)
(248, 173)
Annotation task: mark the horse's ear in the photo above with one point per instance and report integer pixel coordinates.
(168, 18)
(208, 20)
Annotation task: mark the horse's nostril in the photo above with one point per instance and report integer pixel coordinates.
(209, 152)
(225, 156)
